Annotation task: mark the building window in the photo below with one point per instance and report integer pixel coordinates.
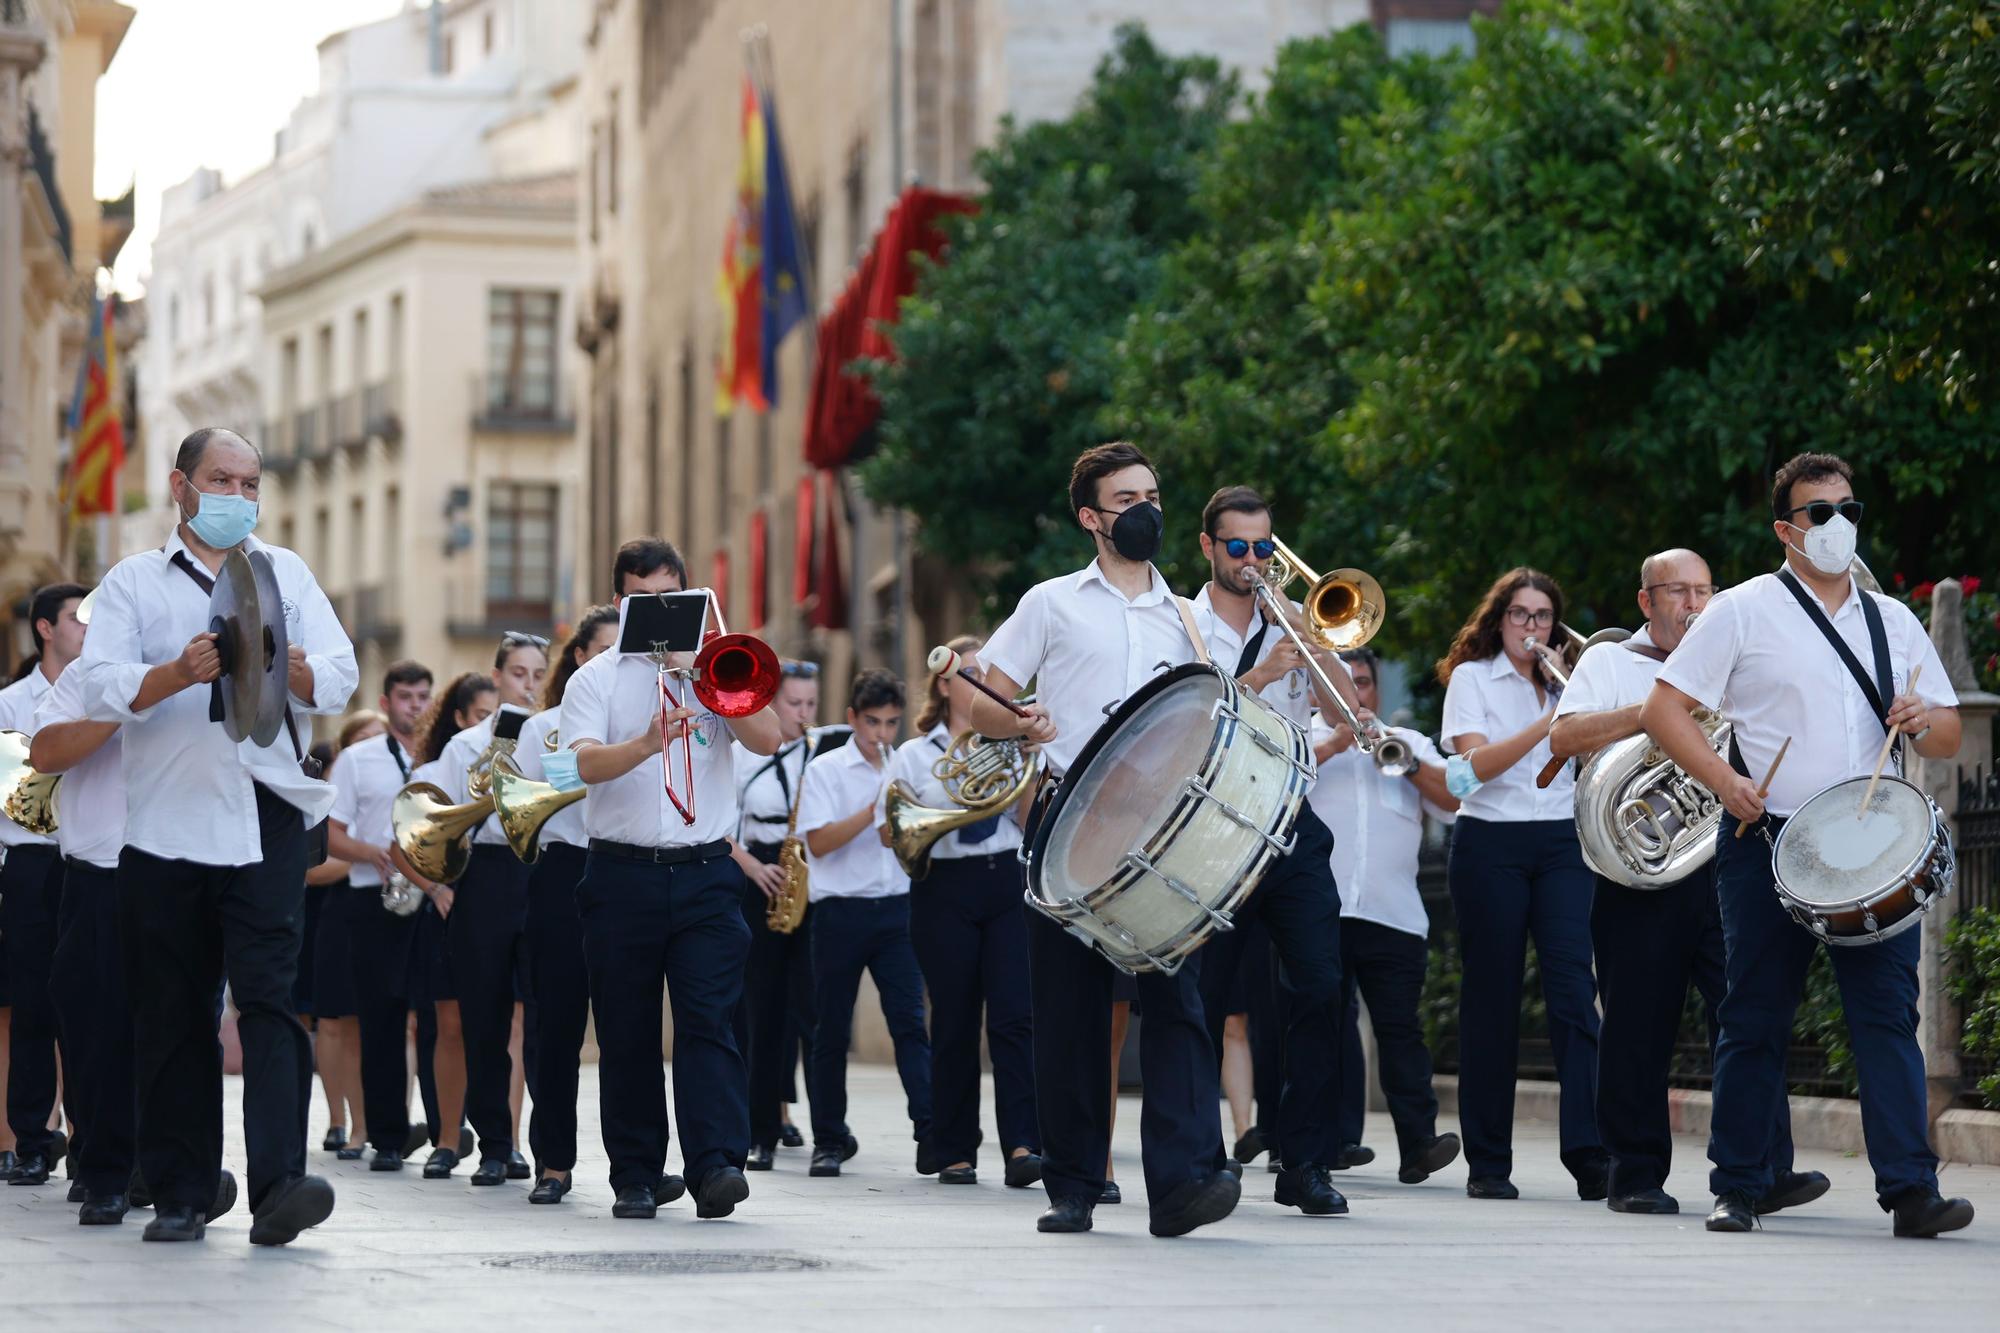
(927, 73)
(521, 354)
(520, 552)
(1429, 37)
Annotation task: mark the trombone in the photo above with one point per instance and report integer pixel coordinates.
(1343, 609)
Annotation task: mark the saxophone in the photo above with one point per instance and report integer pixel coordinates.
(788, 908)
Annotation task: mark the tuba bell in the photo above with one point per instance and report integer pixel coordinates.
(981, 775)
(434, 835)
(27, 797)
(525, 805)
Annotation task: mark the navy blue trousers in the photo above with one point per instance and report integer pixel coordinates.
(1245, 954)
(1299, 906)
(777, 1009)
(489, 912)
(965, 922)
(560, 983)
(1768, 953)
(380, 960)
(30, 893)
(1386, 967)
(848, 936)
(1509, 881)
(679, 927)
(88, 981)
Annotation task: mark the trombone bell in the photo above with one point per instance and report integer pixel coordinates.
(1344, 608)
(525, 805)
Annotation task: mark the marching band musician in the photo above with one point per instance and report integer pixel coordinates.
(1806, 654)
(1516, 869)
(1089, 639)
(1377, 823)
(484, 931)
(212, 874)
(660, 903)
(971, 942)
(1650, 943)
(31, 876)
(365, 782)
(860, 910)
(1297, 899)
(775, 1017)
(466, 702)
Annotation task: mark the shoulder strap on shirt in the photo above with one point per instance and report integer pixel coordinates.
(1652, 650)
(1877, 691)
(396, 753)
(1256, 641)
(1194, 635)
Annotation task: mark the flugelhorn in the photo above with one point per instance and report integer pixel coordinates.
(27, 797)
(525, 805)
(1343, 610)
(434, 835)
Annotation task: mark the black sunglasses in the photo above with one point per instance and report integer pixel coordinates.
(1822, 511)
(1238, 548)
(800, 670)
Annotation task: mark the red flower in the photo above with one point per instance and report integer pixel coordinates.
(1899, 580)
(1922, 592)
(1970, 583)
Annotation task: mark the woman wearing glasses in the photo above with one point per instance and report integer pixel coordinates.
(1515, 871)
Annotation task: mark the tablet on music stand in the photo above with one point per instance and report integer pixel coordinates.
(653, 624)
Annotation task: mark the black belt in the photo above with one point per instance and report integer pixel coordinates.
(660, 856)
(78, 863)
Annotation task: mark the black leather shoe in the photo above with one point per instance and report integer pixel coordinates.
(1734, 1211)
(1436, 1155)
(335, 1140)
(635, 1201)
(825, 1162)
(517, 1166)
(1196, 1204)
(492, 1171)
(791, 1138)
(1065, 1215)
(108, 1211)
(1491, 1187)
(77, 1193)
(1024, 1171)
(1928, 1216)
(1112, 1194)
(1233, 1167)
(291, 1207)
(670, 1188)
(1791, 1189)
(1653, 1201)
(225, 1196)
(58, 1148)
(927, 1162)
(414, 1141)
(1354, 1154)
(1250, 1146)
(720, 1192)
(439, 1165)
(351, 1153)
(175, 1222)
(849, 1147)
(549, 1189)
(30, 1170)
(1308, 1190)
(759, 1158)
(1593, 1181)
(8, 1163)
(958, 1175)
(386, 1159)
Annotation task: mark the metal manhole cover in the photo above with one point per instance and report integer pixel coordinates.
(670, 1261)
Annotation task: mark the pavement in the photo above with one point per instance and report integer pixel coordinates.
(884, 1249)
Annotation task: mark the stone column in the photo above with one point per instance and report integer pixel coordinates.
(21, 52)
(1938, 1020)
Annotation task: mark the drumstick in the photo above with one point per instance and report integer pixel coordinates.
(1888, 743)
(943, 661)
(1742, 825)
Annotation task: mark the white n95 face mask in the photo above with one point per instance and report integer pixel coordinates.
(1830, 546)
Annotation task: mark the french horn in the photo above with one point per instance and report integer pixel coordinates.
(982, 776)
(26, 796)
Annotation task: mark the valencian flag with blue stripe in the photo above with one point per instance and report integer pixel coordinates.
(96, 422)
(763, 279)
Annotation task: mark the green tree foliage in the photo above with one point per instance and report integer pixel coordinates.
(1007, 353)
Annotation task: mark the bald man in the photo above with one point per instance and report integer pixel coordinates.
(1650, 943)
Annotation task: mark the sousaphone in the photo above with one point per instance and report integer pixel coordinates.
(246, 613)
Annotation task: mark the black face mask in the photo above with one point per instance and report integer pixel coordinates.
(1135, 533)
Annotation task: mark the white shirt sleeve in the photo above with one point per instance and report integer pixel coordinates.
(346, 793)
(1700, 666)
(817, 799)
(527, 756)
(1594, 684)
(900, 768)
(1465, 703)
(454, 764)
(586, 705)
(114, 662)
(1934, 686)
(1018, 648)
(328, 651)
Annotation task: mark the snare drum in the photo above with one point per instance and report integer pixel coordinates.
(1854, 878)
(1168, 818)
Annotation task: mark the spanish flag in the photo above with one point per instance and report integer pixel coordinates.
(96, 421)
(763, 280)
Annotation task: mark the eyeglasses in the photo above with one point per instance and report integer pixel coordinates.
(1521, 615)
(1822, 511)
(1682, 589)
(1238, 548)
(514, 638)
(800, 670)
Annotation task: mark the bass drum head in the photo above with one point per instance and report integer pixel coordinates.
(1125, 784)
(1828, 855)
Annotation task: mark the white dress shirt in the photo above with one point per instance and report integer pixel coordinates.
(837, 785)
(366, 777)
(190, 789)
(566, 825)
(1610, 676)
(460, 753)
(18, 703)
(611, 699)
(1490, 698)
(911, 765)
(1087, 649)
(1292, 693)
(1378, 828)
(91, 801)
(1757, 656)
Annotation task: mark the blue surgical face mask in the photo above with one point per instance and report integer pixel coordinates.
(560, 769)
(223, 521)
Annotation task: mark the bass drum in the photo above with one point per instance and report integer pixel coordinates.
(1858, 879)
(1168, 819)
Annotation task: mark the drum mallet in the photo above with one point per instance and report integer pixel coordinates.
(945, 662)
(1888, 743)
(1743, 825)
